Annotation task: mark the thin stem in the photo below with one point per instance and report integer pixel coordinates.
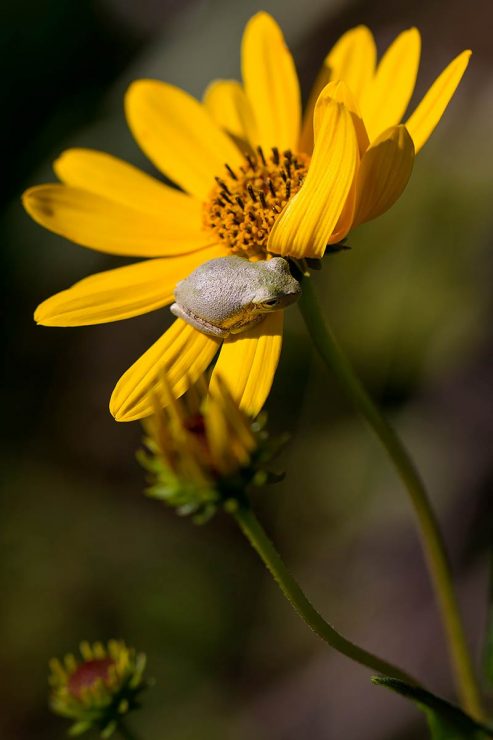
(126, 732)
(261, 543)
(434, 547)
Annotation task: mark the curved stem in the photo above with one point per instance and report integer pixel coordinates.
(433, 543)
(126, 732)
(259, 540)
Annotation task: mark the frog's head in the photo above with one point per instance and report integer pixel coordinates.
(277, 288)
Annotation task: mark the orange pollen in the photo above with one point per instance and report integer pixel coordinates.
(244, 205)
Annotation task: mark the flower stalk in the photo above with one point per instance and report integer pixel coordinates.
(434, 547)
(256, 535)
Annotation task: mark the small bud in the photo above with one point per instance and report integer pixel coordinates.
(203, 450)
(97, 690)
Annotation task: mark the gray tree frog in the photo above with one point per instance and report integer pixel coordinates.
(230, 294)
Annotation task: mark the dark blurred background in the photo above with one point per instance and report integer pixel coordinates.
(87, 556)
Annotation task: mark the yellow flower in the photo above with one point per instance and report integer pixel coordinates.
(255, 184)
(203, 450)
(99, 689)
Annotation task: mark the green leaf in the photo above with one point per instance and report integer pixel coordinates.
(445, 720)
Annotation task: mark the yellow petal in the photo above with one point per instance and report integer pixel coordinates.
(306, 224)
(229, 431)
(352, 60)
(230, 108)
(271, 83)
(340, 92)
(387, 96)
(218, 434)
(121, 293)
(229, 435)
(108, 226)
(384, 173)
(178, 135)
(112, 178)
(423, 121)
(182, 352)
(247, 363)
(346, 219)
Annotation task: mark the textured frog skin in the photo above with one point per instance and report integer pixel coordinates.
(230, 294)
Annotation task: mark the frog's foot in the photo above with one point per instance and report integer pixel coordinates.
(204, 326)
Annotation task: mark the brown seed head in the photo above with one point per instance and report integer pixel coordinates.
(245, 203)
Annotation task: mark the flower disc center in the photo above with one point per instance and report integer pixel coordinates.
(87, 673)
(245, 203)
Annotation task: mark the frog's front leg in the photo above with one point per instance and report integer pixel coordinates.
(204, 326)
(244, 325)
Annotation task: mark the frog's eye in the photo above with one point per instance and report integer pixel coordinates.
(271, 303)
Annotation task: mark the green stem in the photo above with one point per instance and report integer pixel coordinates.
(126, 732)
(433, 543)
(259, 540)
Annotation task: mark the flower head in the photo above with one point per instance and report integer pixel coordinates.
(99, 689)
(203, 451)
(256, 181)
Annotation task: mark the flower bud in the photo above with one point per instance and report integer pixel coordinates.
(203, 450)
(97, 690)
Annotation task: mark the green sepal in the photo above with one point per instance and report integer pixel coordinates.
(445, 721)
(109, 730)
(79, 728)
